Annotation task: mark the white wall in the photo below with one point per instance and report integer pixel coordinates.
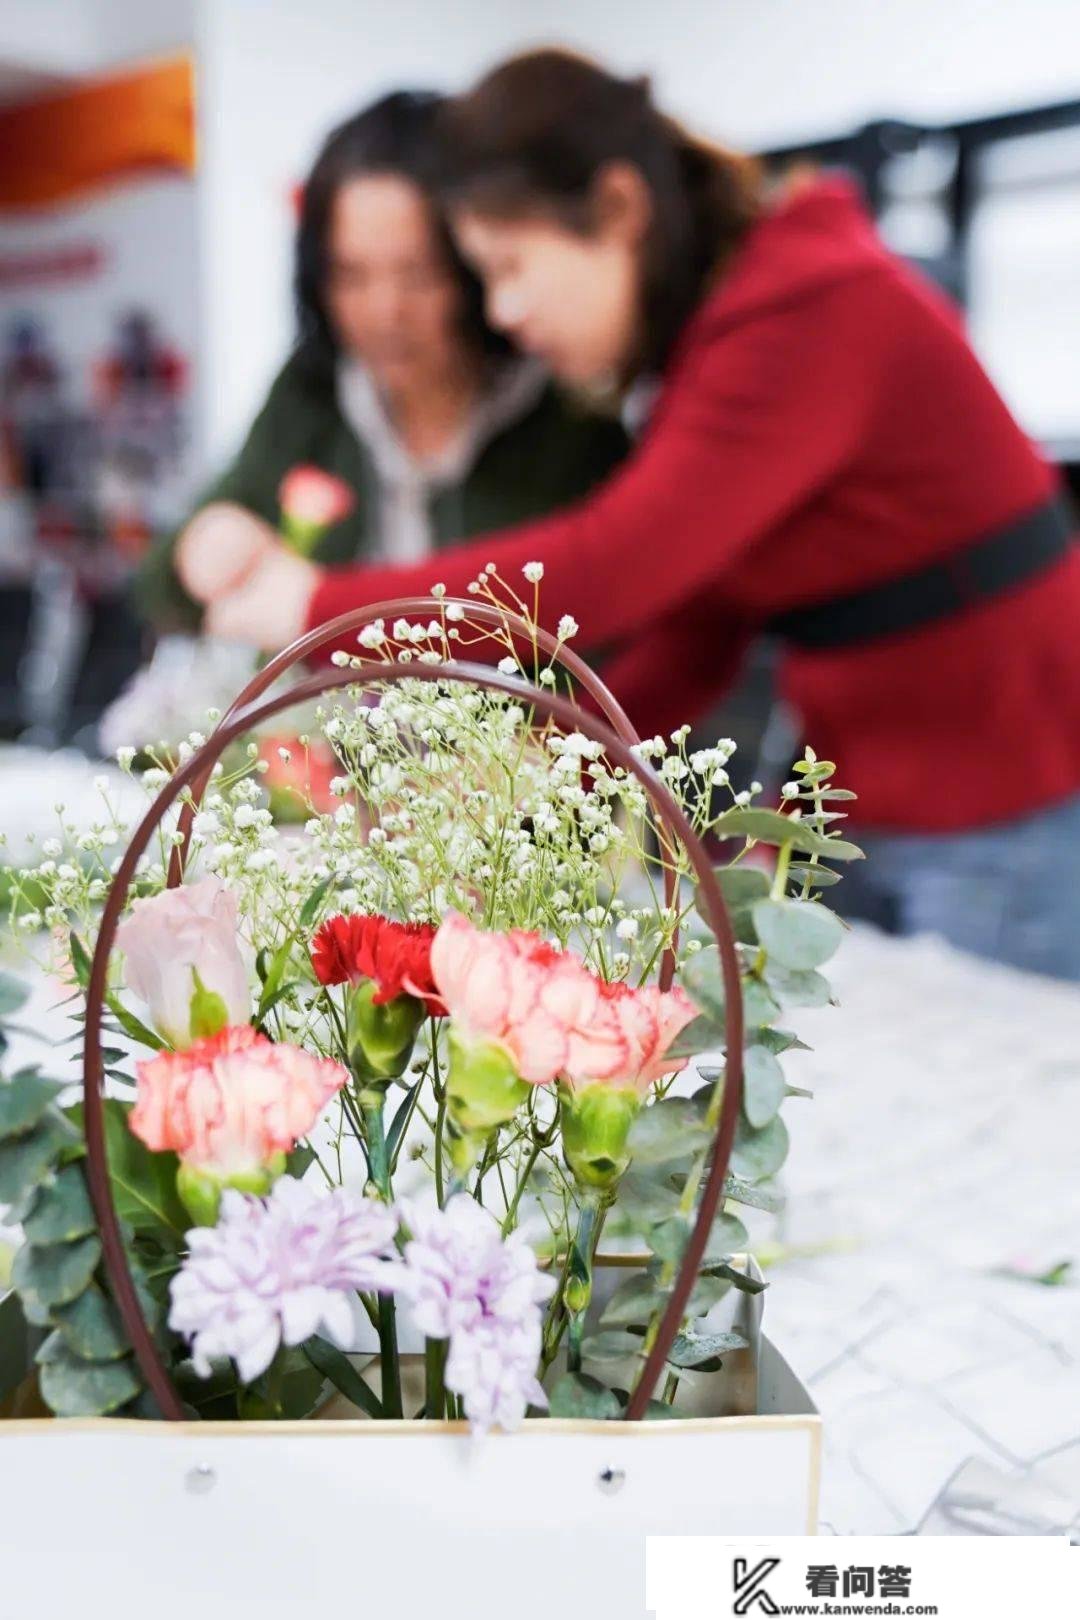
(276, 73)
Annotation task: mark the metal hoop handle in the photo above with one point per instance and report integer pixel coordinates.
(199, 767)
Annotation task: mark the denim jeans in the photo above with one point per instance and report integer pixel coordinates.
(1009, 892)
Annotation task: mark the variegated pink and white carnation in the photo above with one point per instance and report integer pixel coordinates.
(482, 1292)
(277, 1271)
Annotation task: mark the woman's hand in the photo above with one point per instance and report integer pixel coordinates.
(219, 549)
(270, 607)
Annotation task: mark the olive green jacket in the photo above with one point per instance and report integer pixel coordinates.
(549, 456)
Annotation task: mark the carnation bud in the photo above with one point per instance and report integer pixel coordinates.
(595, 1122)
(381, 1035)
(200, 1190)
(484, 1091)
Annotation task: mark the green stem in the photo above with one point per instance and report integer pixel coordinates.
(371, 1110)
(578, 1291)
(435, 1378)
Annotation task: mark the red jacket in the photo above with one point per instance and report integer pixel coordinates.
(822, 426)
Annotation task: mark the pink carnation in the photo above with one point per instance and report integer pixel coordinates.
(227, 1105)
(314, 498)
(549, 1013)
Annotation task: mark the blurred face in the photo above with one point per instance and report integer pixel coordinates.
(390, 294)
(570, 299)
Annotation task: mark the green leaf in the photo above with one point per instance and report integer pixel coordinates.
(815, 876)
(62, 1211)
(796, 987)
(634, 1301)
(24, 1099)
(771, 827)
(703, 1350)
(797, 933)
(90, 1327)
(611, 1344)
(310, 909)
(740, 1279)
(576, 1395)
(335, 1366)
(778, 1041)
(144, 1183)
(80, 959)
(75, 1388)
(742, 1192)
(299, 1160)
(402, 1115)
(741, 886)
(702, 1034)
(56, 1272)
(704, 984)
(13, 995)
(670, 1129)
(764, 1087)
(708, 1291)
(27, 1160)
(131, 1025)
(275, 973)
(759, 1153)
(645, 1199)
(727, 1237)
(668, 1239)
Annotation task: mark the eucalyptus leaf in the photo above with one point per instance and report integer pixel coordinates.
(669, 1238)
(743, 1192)
(702, 1034)
(299, 1160)
(670, 1129)
(71, 1387)
(703, 982)
(611, 1344)
(797, 933)
(778, 1041)
(23, 1101)
(764, 1087)
(56, 1272)
(13, 995)
(796, 987)
(62, 1211)
(26, 1160)
(633, 1302)
(708, 1291)
(771, 827)
(90, 1327)
(645, 1199)
(576, 1395)
(759, 1153)
(739, 1279)
(727, 1237)
(814, 875)
(697, 1349)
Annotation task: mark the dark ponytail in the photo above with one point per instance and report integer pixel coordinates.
(535, 133)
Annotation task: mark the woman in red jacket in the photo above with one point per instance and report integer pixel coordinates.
(824, 460)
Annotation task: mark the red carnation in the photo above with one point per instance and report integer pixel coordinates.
(396, 956)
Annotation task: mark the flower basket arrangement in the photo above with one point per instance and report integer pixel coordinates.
(435, 1117)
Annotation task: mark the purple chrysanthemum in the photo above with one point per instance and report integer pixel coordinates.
(483, 1292)
(278, 1270)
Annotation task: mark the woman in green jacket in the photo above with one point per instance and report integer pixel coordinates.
(401, 422)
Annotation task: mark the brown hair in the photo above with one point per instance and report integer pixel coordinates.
(534, 134)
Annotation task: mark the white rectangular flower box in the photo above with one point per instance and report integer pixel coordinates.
(397, 1518)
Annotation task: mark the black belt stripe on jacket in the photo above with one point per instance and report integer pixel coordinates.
(979, 571)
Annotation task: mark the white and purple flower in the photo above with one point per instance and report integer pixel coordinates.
(467, 1283)
(275, 1271)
